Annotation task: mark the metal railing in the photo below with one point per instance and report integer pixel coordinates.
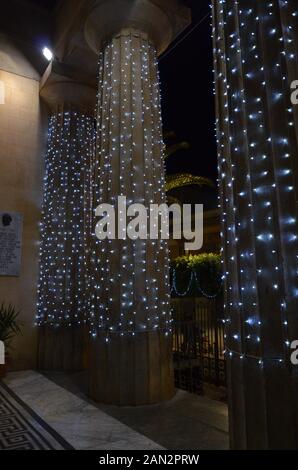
(198, 343)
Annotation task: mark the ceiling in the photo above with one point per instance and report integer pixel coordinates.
(46, 4)
(50, 4)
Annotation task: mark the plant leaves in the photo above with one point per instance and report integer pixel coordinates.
(185, 179)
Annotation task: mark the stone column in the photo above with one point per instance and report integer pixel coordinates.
(64, 283)
(130, 320)
(255, 47)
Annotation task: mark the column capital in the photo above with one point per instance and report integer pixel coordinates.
(62, 85)
(161, 20)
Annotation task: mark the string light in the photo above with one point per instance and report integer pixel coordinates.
(130, 279)
(255, 173)
(194, 281)
(66, 222)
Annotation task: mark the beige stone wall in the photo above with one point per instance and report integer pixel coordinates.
(22, 146)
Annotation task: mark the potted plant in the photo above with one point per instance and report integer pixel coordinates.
(10, 327)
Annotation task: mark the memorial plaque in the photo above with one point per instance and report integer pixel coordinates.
(11, 227)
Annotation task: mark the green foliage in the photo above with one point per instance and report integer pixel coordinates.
(179, 181)
(9, 324)
(211, 261)
(207, 270)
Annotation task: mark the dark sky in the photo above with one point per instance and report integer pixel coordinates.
(48, 4)
(187, 97)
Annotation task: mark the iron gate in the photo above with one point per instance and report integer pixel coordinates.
(198, 343)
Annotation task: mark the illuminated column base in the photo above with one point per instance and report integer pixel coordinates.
(63, 348)
(131, 371)
(256, 50)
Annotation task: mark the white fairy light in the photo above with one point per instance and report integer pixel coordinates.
(63, 281)
(130, 300)
(250, 182)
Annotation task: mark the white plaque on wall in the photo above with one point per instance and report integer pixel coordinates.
(11, 228)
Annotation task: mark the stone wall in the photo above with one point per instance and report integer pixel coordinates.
(22, 146)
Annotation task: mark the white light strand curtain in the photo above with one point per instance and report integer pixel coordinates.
(66, 221)
(130, 279)
(256, 59)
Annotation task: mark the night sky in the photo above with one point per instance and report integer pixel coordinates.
(187, 97)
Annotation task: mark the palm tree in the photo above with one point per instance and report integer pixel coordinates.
(184, 179)
(181, 180)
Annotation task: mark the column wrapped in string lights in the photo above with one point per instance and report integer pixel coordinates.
(63, 304)
(130, 315)
(130, 299)
(256, 52)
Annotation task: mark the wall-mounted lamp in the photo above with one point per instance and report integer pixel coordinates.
(48, 54)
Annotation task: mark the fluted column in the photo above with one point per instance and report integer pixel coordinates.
(66, 223)
(130, 318)
(256, 47)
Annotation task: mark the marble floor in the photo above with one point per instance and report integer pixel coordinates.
(22, 429)
(186, 422)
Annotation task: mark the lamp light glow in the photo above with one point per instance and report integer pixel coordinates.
(48, 54)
